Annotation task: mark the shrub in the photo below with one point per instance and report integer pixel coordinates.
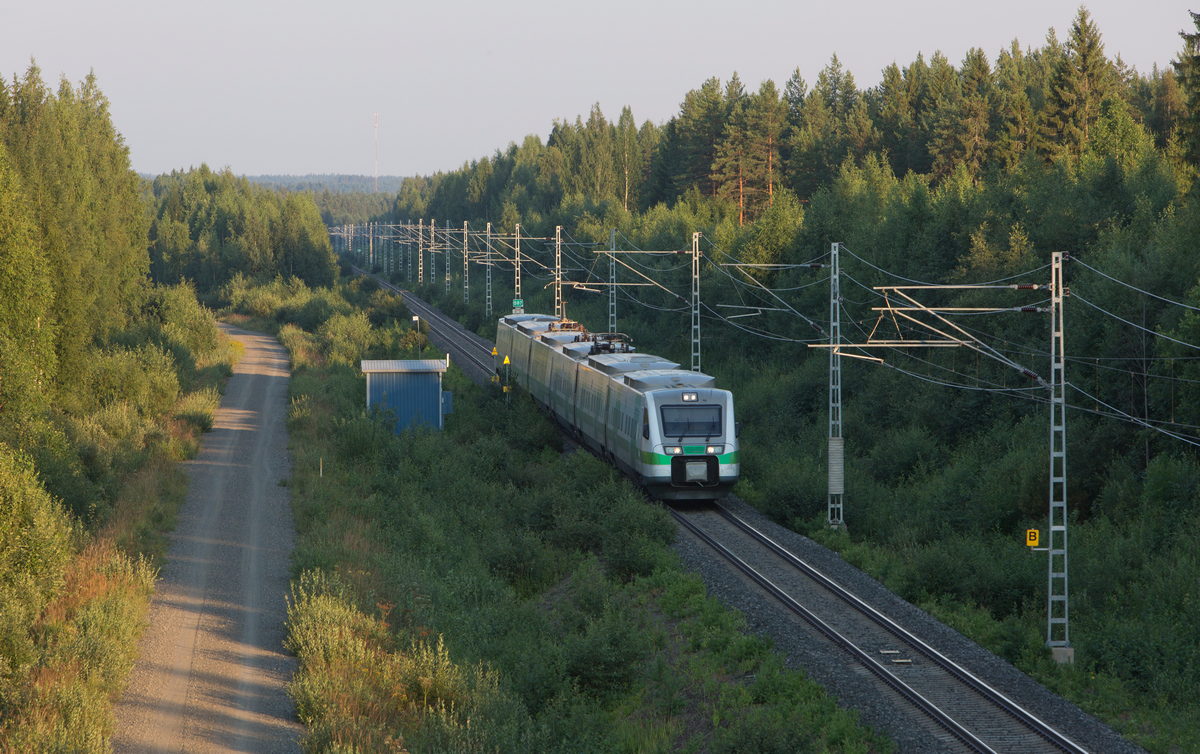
(345, 339)
(34, 550)
(144, 379)
(387, 307)
(199, 408)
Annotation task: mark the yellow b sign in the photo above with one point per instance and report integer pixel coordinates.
(1031, 537)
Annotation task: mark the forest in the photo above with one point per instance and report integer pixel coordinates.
(968, 172)
(971, 174)
(340, 198)
(110, 371)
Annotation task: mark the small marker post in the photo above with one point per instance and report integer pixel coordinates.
(506, 385)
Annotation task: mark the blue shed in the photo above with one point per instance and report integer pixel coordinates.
(411, 388)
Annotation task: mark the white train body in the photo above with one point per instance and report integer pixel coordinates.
(670, 428)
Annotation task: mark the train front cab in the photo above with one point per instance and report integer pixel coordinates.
(689, 443)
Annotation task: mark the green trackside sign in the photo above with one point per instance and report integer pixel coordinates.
(518, 303)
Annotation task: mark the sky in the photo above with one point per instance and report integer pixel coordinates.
(293, 87)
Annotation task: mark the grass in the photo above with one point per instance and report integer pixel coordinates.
(478, 590)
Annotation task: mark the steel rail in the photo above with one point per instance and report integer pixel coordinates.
(1027, 718)
(933, 711)
(436, 324)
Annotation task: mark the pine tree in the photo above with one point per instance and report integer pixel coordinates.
(861, 137)
(628, 158)
(698, 130)
(768, 121)
(1013, 109)
(597, 172)
(942, 119)
(1187, 72)
(795, 93)
(1167, 107)
(896, 118)
(816, 148)
(732, 164)
(650, 142)
(835, 86)
(1083, 79)
(975, 112)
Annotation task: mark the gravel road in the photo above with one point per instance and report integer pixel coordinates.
(211, 668)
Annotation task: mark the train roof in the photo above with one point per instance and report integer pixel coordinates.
(655, 379)
(516, 319)
(560, 338)
(620, 363)
(577, 351)
(534, 327)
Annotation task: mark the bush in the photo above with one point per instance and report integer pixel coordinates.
(34, 551)
(143, 379)
(345, 339)
(199, 408)
(387, 307)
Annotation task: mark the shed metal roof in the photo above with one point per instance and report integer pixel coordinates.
(405, 365)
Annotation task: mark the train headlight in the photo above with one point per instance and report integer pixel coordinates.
(714, 450)
(690, 397)
(673, 450)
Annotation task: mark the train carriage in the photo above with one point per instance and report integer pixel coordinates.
(670, 429)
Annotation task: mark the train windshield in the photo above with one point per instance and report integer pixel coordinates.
(691, 421)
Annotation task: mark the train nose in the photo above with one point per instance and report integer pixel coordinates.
(695, 470)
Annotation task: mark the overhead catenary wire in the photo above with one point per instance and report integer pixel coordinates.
(1135, 325)
(759, 283)
(921, 282)
(1118, 413)
(898, 350)
(444, 241)
(1077, 261)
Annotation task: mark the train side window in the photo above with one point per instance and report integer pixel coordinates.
(645, 423)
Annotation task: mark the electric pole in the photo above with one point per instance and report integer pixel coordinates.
(558, 271)
(612, 281)
(836, 469)
(695, 302)
(517, 283)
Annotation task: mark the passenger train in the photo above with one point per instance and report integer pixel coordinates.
(670, 428)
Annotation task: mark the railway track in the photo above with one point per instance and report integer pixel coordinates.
(464, 346)
(978, 716)
(972, 715)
